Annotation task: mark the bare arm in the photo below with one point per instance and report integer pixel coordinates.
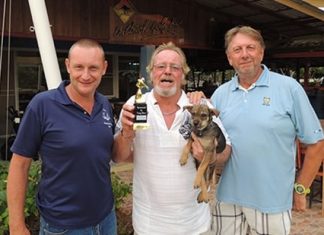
(221, 158)
(16, 193)
(313, 158)
(123, 148)
(123, 143)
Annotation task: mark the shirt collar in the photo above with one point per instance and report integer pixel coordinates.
(183, 100)
(263, 80)
(62, 96)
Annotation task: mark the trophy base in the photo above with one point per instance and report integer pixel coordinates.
(140, 126)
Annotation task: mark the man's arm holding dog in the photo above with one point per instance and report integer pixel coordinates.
(198, 151)
(123, 144)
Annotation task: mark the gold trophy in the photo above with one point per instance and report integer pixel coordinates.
(140, 120)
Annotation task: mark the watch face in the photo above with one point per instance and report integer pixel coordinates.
(300, 189)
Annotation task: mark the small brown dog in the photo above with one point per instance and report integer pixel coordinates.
(211, 137)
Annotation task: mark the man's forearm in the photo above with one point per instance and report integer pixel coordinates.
(313, 158)
(123, 148)
(16, 192)
(221, 158)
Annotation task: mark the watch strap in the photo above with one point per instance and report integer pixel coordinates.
(301, 189)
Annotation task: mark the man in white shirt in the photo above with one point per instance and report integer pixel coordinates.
(164, 200)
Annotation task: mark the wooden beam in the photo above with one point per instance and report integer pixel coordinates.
(304, 54)
(317, 3)
(304, 8)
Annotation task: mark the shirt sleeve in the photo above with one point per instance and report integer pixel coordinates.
(307, 124)
(28, 139)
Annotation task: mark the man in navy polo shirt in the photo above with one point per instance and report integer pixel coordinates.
(72, 129)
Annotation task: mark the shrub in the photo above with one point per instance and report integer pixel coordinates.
(31, 211)
(120, 189)
(3, 198)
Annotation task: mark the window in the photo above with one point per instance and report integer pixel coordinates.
(118, 82)
(30, 79)
(108, 85)
(129, 68)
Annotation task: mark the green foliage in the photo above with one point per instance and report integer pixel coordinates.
(120, 189)
(33, 179)
(30, 206)
(3, 197)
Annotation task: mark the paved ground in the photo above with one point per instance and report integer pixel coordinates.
(309, 223)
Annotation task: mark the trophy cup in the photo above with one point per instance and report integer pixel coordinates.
(140, 120)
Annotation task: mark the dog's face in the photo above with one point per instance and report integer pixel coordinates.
(201, 116)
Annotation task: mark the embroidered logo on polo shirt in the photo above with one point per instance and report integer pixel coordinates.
(106, 118)
(266, 101)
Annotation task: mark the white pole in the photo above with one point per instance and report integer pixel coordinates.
(45, 43)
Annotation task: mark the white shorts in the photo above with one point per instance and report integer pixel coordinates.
(229, 219)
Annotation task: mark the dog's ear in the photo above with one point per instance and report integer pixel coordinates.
(188, 107)
(215, 112)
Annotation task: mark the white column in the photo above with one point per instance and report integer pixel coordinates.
(45, 43)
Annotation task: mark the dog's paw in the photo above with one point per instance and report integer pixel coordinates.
(197, 183)
(183, 161)
(202, 197)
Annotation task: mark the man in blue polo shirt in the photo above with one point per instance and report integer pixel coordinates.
(263, 113)
(72, 129)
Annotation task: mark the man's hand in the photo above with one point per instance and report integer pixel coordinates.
(127, 121)
(21, 230)
(195, 97)
(299, 202)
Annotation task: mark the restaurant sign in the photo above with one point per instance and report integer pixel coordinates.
(128, 25)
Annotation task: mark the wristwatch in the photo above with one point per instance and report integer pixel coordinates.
(300, 189)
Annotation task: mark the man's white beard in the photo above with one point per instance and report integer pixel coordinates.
(165, 92)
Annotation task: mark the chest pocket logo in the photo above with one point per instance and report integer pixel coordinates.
(266, 101)
(106, 118)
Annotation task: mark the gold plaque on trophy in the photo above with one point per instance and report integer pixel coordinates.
(140, 120)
